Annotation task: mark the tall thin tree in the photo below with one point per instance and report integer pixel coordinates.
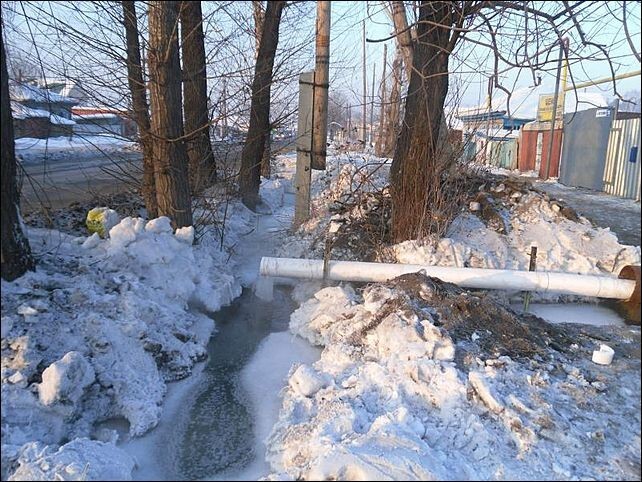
(170, 156)
(250, 172)
(16, 252)
(199, 146)
(140, 106)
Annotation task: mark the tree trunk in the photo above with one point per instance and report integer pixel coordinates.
(259, 19)
(250, 174)
(199, 146)
(140, 107)
(415, 176)
(170, 156)
(16, 253)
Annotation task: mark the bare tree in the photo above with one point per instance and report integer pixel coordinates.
(170, 156)
(517, 35)
(16, 252)
(140, 107)
(199, 146)
(259, 129)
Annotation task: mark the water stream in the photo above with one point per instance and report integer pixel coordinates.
(210, 429)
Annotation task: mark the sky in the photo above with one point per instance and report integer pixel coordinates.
(346, 56)
(346, 49)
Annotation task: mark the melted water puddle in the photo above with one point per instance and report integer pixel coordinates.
(214, 432)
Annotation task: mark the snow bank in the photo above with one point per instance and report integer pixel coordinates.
(80, 459)
(401, 399)
(495, 230)
(95, 334)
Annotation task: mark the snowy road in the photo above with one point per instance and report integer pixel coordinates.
(606, 211)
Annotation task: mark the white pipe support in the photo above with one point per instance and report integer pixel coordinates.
(479, 278)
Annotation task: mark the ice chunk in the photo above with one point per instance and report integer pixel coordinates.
(92, 241)
(185, 234)
(65, 379)
(306, 381)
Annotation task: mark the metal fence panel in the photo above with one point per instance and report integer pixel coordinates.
(622, 172)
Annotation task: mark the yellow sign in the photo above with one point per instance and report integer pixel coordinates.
(545, 107)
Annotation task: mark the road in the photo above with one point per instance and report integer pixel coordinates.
(66, 177)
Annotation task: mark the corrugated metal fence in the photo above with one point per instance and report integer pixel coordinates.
(622, 170)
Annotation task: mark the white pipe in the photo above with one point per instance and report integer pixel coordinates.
(572, 284)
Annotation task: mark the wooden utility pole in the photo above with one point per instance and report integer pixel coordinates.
(372, 96)
(365, 82)
(379, 147)
(321, 83)
(303, 149)
(556, 96)
(403, 34)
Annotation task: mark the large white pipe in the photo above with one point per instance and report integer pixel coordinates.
(572, 284)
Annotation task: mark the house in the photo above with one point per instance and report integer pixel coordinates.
(92, 120)
(491, 130)
(40, 113)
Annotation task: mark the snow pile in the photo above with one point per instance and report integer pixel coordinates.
(80, 459)
(404, 391)
(98, 330)
(496, 229)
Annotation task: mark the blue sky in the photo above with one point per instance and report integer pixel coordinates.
(346, 54)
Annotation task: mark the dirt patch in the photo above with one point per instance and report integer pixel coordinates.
(477, 323)
(71, 219)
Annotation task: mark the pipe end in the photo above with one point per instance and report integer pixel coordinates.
(630, 309)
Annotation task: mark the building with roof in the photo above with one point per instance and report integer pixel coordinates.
(40, 113)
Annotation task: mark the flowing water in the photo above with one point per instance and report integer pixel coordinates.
(214, 432)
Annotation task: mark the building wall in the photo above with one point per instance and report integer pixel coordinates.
(533, 152)
(37, 127)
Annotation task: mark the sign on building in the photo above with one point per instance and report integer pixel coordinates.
(545, 107)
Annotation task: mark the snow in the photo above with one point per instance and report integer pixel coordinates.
(107, 323)
(398, 406)
(65, 380)
(575, 313)
(29, 148)
(80, 459)
(26, 92)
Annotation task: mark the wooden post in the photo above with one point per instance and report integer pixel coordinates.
(365, 88)
(556, 96)
(303, 149)
(532, 266)
(372, 96)
(379, 148)
(321, 83)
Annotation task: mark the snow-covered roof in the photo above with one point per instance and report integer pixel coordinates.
(58, 120)
(26, 92)
(100, 115)
(524, 102)
(20, 111)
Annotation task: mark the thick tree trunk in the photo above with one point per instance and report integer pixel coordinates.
(199, 146)
(259, 19)
(16, 253)
(140, 107)
(250, 174)
(170, 156)
(415, 175)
